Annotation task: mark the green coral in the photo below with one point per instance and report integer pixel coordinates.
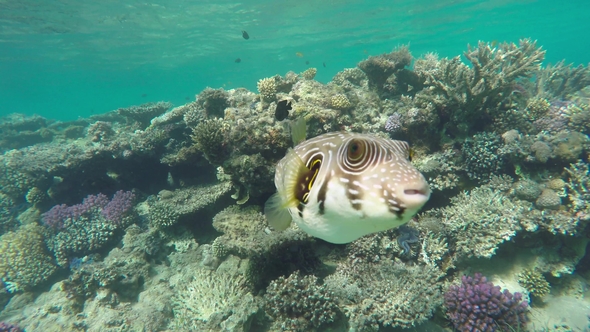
(534, 282)
(25, 261)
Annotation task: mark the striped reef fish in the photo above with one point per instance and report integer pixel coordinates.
(341, 186)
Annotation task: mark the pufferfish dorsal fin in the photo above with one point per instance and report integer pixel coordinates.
(276, 208)
(298, 131)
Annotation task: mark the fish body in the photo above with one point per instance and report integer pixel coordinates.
(282, 109)
(245, 35)
(341, 186)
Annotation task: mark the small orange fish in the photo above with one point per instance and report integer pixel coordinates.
(299, 54)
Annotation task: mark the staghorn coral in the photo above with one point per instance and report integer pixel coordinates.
(298, 303)
(465, 95)
(25, 261)
(559, 80)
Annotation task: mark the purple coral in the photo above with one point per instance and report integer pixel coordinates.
(112, 210)
(116, 209)
(478, 305)
(393, 123)
(8, 327)
(58, 214)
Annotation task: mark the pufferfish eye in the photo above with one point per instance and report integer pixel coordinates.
(356, 150)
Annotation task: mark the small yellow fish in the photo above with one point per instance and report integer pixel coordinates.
(341, 186)
(299, 54)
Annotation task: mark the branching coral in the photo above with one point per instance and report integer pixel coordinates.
(298, 303)
(209, 135)
(25, 261)
(391, 294)
(268, 89)
(214, 101)
(534, 282)
(478, 305)
(197, 301)
(464, 94)
(481, 220)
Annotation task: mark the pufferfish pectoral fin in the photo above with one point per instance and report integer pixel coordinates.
(276, 208)
(277, 215)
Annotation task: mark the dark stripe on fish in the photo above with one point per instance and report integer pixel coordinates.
(353, 196)
(322, 193)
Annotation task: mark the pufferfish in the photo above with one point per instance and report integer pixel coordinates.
(341, 186)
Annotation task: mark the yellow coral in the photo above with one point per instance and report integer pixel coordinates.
(340, 102)
(534, 282)
(25, 262)
(267, 88)
(309, 74)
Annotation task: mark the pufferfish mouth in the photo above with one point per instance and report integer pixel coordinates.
(415, 197)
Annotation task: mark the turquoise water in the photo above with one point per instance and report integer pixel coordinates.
(66, 59)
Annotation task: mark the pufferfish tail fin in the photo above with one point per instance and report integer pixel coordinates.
(276, 208)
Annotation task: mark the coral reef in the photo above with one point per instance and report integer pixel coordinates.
(207, 294)
(298, 303)
(213, 101)
(502, 141)
(144, 113)
(478, 305)
(534, 282)
(267, 88)
(25, 261)
(84, 228)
